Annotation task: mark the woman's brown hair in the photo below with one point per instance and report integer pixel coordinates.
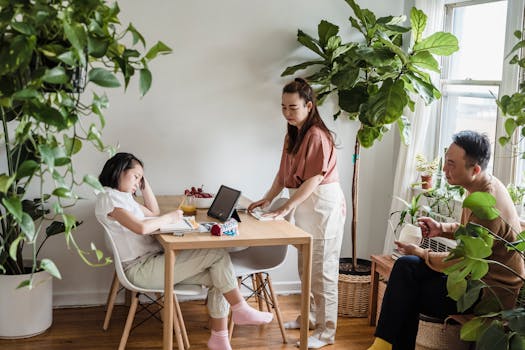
(295, 135)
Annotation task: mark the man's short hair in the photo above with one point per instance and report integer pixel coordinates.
(476, 147)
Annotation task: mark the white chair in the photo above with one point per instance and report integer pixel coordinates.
(136, 292)
(254, 264)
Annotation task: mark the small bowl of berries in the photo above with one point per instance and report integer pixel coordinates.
(201, 199)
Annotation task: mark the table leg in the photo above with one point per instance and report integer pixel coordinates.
(305, 293)
(372, 303)
(169, 261)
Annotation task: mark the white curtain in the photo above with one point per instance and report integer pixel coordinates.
(423, 120)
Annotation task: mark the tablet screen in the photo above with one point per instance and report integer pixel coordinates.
(224, 203)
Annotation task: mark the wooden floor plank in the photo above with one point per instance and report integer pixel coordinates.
(81, 328)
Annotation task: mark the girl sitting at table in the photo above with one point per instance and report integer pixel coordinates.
(143, 258)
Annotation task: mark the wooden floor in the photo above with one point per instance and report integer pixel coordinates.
(81, 328)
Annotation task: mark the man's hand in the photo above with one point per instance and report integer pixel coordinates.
(409, 248)
(429, 227)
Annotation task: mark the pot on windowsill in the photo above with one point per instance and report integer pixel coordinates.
(426, 182)
(25, 312)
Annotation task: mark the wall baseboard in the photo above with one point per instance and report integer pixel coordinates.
(97, 298)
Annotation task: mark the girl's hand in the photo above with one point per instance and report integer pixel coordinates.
(260, 203)
(174, 216)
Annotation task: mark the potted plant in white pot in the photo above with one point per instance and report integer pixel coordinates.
(517, 194)
(49, 51)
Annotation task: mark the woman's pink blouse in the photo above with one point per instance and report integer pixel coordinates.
(316, 156)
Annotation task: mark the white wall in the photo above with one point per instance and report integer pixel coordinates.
(213, 117)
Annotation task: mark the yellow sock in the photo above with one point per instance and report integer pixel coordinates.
(380, 344)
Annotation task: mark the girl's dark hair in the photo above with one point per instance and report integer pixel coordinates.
(476, 146)
(115, 166)
(296, 136)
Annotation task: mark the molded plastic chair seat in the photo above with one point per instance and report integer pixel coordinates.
(136, 291)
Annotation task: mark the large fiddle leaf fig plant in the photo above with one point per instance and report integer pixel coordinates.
(50, 51)
(375, 79)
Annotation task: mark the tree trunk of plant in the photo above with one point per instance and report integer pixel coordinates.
(355, 178)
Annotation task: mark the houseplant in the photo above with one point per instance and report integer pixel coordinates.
(49, 52)
(409, 231)
(376, 78)
(491, 328)
(427, 169)
(517, 194)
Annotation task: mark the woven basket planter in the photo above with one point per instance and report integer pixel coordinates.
(433, 335)
(353, 290)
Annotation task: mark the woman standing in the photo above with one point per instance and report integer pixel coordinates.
(308, 170)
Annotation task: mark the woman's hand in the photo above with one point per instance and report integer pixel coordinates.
(429, 227)
(408, 248)
(260, 203)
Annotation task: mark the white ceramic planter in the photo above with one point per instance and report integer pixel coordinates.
(25, 312)
(411, 234)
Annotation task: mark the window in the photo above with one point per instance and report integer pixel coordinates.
(472, 77)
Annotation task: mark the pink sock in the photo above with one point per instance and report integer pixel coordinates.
(242, 313)
(219, 340)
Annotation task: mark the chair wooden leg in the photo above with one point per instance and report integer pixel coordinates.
(263, 290)
(254, 287)
(176, 324)
(129, 320)
(277, 309)
(160, 301)
(110, 303)
(230, 320)
(182, 325)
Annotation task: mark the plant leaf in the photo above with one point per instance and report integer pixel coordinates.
(482, 205)
(93, 182)
(14, 207)
(13, 248)
(418, 20)
(145, 81)
(326, 30)
(56, 75)
(158, 48)
(27, 226)
(103, 77)
(5, 182)
(439, 43)
(50, 267)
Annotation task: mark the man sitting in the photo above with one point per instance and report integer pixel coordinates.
(417, 284)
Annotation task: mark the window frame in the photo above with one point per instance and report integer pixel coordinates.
(505, 163)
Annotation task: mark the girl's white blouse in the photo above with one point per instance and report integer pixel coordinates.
(130, 245)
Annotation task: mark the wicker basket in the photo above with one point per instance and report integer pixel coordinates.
(353, 294)
(439, 336)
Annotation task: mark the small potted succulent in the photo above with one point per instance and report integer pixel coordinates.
(427, 169)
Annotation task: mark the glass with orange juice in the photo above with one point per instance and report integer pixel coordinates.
(188, 206)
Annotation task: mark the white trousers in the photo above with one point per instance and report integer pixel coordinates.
(322, 215)
(209, 267)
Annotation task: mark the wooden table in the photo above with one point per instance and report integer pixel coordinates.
(381, 267)
(252, 232)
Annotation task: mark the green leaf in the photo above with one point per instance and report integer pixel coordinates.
(425, 60)
(418, 20)
(517, 342)
(23, 28)
(472, 329)
(387, 105)
(13, 248)
(62, 192)
(440, 43)
(145, 81)
(26, 94)
(352, 99)
(510, 126)
(93, 182)
(103, 77)
(5, 182)
(493, 338)
(68, 58)
(72, 145)
(367, 135)
(471, 296)
(427, 91)
(55, 75)
(27, 226)
(136, 35)
(292, 69)
(14, 207)
(456, 288)
(158, 48)
(76, 35)
(24, 283)
(27, 168)
(326, 30)
(70, 222)
(50, 267)
(404, 127)
(55, 228)
(311, 43)
(482, 205)
(97, 47)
